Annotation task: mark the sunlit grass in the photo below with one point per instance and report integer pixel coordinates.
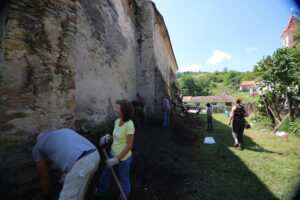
(268, 168)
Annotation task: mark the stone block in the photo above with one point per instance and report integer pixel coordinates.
(5, 127)
(14, 116)
(72, 5)
(72, 19)
(14, 73)
(19, 102)
(11, 138)
(71, 104)
(14, 50)
(12, 91)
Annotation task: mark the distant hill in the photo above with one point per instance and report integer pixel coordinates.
(213, 83)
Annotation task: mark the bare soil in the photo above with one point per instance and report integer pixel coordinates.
(159, 156)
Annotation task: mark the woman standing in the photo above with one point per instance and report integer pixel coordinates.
(238, 115)
(121, 156)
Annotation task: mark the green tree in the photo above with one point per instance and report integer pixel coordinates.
(280, 72)
(191, 86)
(297, 35)
(232, 79)
(248, 76)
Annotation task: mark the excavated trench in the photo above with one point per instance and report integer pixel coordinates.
(158, 156)
(156, 171)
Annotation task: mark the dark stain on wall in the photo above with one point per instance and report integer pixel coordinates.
(3, 11)
(103, 31)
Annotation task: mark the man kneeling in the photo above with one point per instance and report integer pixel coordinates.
(75, 156)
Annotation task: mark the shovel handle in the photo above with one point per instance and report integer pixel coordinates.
(115, 176)
(291, 133)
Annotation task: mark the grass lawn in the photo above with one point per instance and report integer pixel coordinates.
(246, 97)
(268, 168)
(221, 88)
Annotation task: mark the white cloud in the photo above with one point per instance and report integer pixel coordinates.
(217, 57)
(251, 49)
(193, 68)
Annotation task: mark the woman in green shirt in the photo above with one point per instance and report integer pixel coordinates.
(121, 156)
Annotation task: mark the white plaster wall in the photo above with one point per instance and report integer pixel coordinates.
(162, 55)
(101, 75)
(289, 41)
(145, 63)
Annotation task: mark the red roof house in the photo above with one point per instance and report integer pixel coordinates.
(290, 29)
(248, 83)
(247, 86)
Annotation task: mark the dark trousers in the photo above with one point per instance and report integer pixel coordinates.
(123, 174)
(209, 123)
(166, 118)
(238, 126)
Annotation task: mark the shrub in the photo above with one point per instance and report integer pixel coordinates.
(262, 121)
(288, 126)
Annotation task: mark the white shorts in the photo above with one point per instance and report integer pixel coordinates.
(78, 179)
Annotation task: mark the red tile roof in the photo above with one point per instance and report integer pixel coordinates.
(291, 27)
(247, 83)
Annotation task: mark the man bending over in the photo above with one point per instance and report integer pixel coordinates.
(74, 155)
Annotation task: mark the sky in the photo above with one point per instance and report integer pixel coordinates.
(209, 35)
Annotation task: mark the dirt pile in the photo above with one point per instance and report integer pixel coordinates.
(159, 159)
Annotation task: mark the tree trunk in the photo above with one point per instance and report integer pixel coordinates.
(268, 110)
(289, 102)
(276, 111)
(271, 108)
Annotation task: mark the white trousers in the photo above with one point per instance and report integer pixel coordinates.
(78, 179)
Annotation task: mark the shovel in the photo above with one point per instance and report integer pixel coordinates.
(287, 137)
(123, 197)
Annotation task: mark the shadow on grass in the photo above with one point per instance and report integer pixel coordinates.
(248, 142)
(166, 169)
(222, 173)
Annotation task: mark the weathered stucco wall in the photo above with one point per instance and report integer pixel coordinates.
(64, 63)
(166, 64)
(156, 64)
(105, 59)
(37, 83)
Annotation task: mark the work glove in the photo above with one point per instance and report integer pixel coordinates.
(105, 139)
(112, 161)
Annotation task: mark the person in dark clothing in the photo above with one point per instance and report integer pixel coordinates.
(209, 113)
(174, 105)
(140, 109)
(166, 111)
(238, 115)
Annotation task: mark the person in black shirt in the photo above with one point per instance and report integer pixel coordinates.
(238, 115)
